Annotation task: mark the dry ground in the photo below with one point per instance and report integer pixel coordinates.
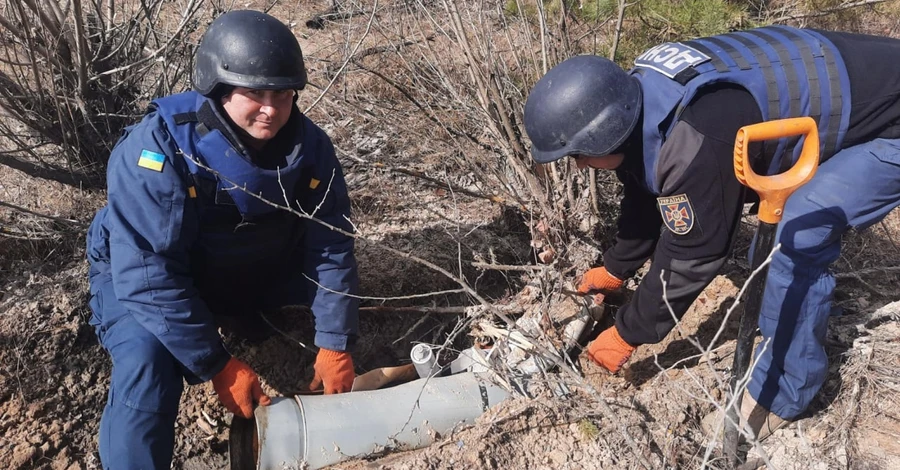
(54, 375)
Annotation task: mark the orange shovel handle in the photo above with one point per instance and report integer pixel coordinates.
(774, 190)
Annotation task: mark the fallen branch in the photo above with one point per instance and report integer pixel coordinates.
(441, 310)
(37, 214)
(332, 14)
(382, 299)
(863, 272)
(33, 237)
(509, 267)
(374, 50)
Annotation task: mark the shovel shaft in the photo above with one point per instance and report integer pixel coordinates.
(773, 193)
(765, 237)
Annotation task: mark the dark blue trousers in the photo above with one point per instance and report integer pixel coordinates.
(137, 430)
(854, 189)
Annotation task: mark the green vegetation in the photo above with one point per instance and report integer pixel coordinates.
(646, 22)
(651, 22)
(588, 429)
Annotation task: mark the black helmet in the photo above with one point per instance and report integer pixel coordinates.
(248, 49)
(586, 105)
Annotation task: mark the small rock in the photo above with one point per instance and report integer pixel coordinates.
(841, 456)
(547, 256)
(202, 424)
(22, 454)
(35, 410)
(815, 434)
(559, 457)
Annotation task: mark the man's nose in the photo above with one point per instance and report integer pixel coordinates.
(269, 100)
(268, 108)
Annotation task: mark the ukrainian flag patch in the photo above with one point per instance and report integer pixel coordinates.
(151, 160)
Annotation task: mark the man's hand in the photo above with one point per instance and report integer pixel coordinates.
(598, 279)
(609, 350)
(334, 370)
(238, 388)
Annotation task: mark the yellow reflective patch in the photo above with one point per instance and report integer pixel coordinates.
(314, 183)
(192, 192)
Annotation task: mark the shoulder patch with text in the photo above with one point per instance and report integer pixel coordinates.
(677, 213)
(670, 58)
(151, 160)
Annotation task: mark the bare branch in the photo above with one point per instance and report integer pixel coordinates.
(828, 11)
(418, 310)
(506, 267)
(76, 223)
(347, 61)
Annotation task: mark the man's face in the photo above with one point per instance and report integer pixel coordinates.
(260, 114)
(607, 162)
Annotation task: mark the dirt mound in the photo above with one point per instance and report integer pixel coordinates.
(54, 375)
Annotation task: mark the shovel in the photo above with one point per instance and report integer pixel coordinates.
(773, 193)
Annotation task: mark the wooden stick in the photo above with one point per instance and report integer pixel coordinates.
(443, 310)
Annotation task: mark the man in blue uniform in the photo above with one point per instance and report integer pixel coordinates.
(193, 232)
(667, 128)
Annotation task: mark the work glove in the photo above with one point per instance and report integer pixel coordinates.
(609, 350)
(238, 388)
(598, 279)
(334, 370)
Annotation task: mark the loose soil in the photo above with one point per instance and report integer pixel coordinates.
(54, 375)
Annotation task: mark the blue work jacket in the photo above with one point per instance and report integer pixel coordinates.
(191, 228)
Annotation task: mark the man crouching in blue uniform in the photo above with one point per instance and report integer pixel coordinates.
(192, 232)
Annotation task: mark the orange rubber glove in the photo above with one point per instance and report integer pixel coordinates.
(598, 279)
(334, 370)
(609, 350)
(238, 388)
